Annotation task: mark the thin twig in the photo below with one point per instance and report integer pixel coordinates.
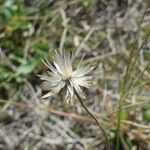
(84, 40)
(124, 144)
(136, 124)
(7, 61)
(63, 37)
(70, 116)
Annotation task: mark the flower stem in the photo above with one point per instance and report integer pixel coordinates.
(93, 116)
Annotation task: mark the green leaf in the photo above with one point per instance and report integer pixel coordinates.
(124, 114)
(26, 68)
(42, 48)
(146, 114)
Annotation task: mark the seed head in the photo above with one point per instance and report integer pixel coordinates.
(62, 77)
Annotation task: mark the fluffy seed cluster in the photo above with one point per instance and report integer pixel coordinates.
(62, 77)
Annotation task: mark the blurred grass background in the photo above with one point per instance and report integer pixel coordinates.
(114, 35)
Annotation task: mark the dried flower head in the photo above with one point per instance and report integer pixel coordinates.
(62, 77)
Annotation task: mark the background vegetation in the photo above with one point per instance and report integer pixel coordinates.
(114, 35)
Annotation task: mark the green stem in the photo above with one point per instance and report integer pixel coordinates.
(92, 115)
(119, 124)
